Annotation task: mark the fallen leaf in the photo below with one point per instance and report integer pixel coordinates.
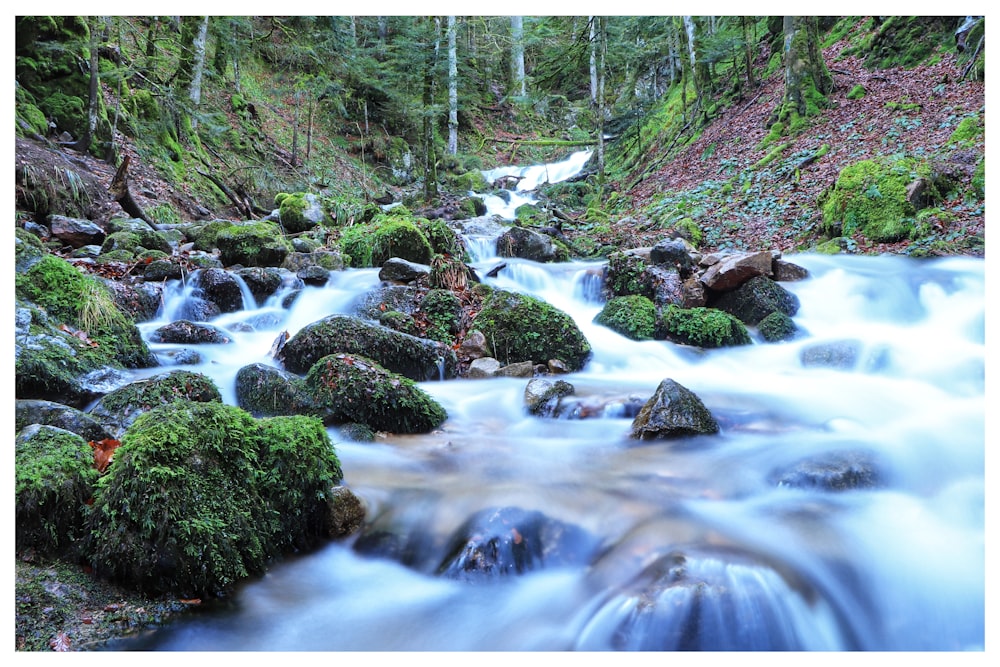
(60, 642)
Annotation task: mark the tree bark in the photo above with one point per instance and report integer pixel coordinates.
(120, 191)
(452, 87)
(83, 143)
(517, 55)
(807, 79)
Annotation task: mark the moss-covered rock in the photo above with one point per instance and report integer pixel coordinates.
(415, 358)
(625, 274)
(54, 477)
(776, 327)
(873, 197)
(443, 313)
(298, 470)
(266, 391)
(51, 413)
(181, 508)
(117, 410)
(519, 328)
(252, 244)
(703, 327)
(69, 325)
(632, 316)
(353, 388)
(300, 212)
(526, 244)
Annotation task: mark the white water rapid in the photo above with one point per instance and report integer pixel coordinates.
(696, 545)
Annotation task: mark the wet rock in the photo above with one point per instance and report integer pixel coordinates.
(221, 288)
(731, 271)
(835, 471)
(542, 396)
(117, 410)
(526, 244)
(520, 369)
(352, 388)
(181, 357)
(189, 333)
(510, 541)
(50, 413)
(313, 275)
(160, 270)
(757, 298)
(416, 358)
(402, 298)
(473, 346)
(141, 301)
(345, 512)
(785, 271)
(399, 270)
(266, 391)
(777, 327)
(673, 411)
(76, 232)
(675, 253)
(262, 282)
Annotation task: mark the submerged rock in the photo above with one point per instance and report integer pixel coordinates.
(507, 541)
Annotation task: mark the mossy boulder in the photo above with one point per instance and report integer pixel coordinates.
(702, 327)
(519, 328)
(54, 477)
(117, 410)
(625, 274)
(415, 358)
(262, 282)
(68, 325)
(873, 197)
(674, 411)
(200, 496)
(300, 212)
(267, 391)
(757, 298)
(386, 236)
(632, 316)
(252, 244)
(356, 389)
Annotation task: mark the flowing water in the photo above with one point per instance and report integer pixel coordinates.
(704, 544)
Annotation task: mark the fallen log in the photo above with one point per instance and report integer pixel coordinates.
(120, 191)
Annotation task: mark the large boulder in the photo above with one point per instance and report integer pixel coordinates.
(300, 212)
(522, 328)
(354, 389)
(219, 287)
(267, 391)
(633, 316)
(526, 244)
(674, 411)
(201, 495)
(76, 232)
(415, 358)
(728, 271)
(54, 477)
(252, 244)
(117, 410)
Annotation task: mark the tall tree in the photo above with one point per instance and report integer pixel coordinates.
(93, 109)
(452, 87)
(517, 55)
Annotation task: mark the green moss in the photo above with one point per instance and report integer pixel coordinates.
(520, 328)
(34, 117)
(703, 327)
(777, 326)
(870, 197)
(252, 244)
(626, 274)
(180, 508)
(298, 467)
(355, 389)
(54, 477)
(857, 92)
(443, 312)
(442, 238)
(632, 316)
(967, 131)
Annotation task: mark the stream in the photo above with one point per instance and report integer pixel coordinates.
(705, 544)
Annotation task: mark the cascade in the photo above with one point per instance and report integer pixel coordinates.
(715, 544)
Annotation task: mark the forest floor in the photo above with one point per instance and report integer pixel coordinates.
(910, 112)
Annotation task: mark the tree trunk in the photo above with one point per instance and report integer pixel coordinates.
(602, 51)
(517, 55)
(452, 87)
(199, 66)
(83, 143)
(807, 79)
(593, 60)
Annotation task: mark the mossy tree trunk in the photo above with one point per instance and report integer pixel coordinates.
(807, 79)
